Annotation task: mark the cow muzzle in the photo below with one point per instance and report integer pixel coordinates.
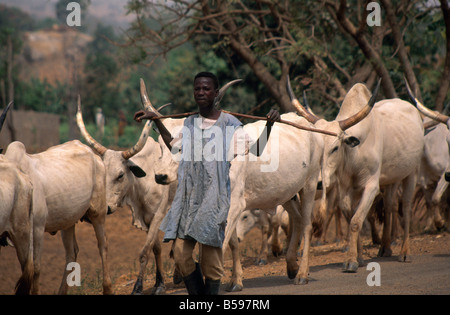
(161, 179)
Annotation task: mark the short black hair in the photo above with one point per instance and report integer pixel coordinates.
(205, 74)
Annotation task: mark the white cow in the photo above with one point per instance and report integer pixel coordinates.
(16, 215)
(381, 150)
(269, 224)
(435, 164)
(130, 180)
(68, 185)
(16, 219)
(431, 180)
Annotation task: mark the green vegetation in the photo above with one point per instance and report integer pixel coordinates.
(306, 41)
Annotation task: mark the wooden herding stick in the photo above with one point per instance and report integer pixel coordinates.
(252, 117)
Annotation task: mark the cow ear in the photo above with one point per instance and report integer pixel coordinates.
(352, 141)
(136, 170)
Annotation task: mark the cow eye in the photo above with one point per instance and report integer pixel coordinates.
(120, 176)
(334, 150)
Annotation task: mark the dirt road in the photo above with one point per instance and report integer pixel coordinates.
(429, 273)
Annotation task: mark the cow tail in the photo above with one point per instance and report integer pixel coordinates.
(24, 284)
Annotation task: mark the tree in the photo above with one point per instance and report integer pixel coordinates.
(12, 23)
(235, 25)
(445, 79)
(325, 46)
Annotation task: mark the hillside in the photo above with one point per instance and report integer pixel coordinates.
(53, 54)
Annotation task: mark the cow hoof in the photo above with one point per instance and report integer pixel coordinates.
(234, 288)
(277, 253)
(440, 225)
(384, 252)
(177, 278)
(361, 262)
(159, 290)
(350, 267)
(404, 258)
(301, 281)
(292, 273)
(137, 290)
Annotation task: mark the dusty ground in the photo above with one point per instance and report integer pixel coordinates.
(125, 243)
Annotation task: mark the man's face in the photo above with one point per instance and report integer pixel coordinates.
(204, 91)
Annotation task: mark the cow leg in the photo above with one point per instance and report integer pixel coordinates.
(292, 208)
(235, 284)
(436, 202)
(388, 201)
(372, 218)
(276, 244)
(152, 243)
(330, 215)
(339, 233)
(38, 238)
(429, 212)
(159, 287)
(237, 206)
(307, 197)
(23, 243)
(149, 245)
(408, 194)
(372, 189)
(265, 225)
(102, 244)
(71, 250)
(332, 211)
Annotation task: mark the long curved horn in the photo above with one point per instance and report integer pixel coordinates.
(100, 149)
(143, 137)
(353, 120)
(425, 110)
(307, 107)
(146, 100)
(3, 116)
(301, 110)
(140, 143)
(223, 89)
(127, 154)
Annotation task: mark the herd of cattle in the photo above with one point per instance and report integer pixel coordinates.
(386, 149)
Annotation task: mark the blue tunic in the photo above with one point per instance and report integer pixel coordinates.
(200, 207)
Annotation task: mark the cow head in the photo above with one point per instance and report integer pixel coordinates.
(335, 147)
(247, 220)
(120, 170)
(166, 167)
